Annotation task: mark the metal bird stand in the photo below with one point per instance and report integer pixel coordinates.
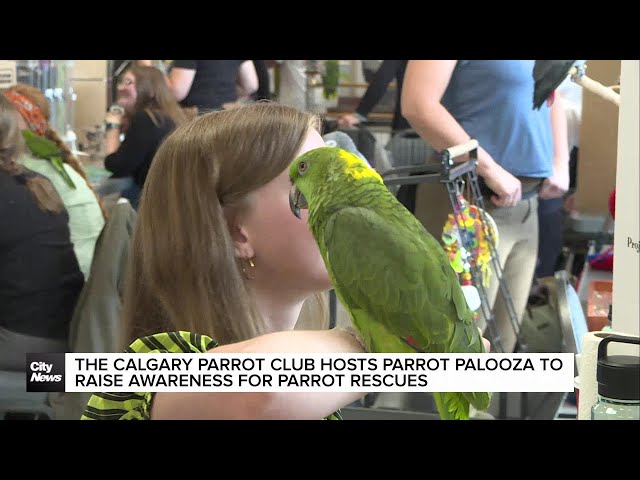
(455, 175)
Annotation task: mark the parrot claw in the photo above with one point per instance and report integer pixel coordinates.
(411, 342)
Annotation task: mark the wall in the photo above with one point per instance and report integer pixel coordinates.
(90, 86)
(626, 267)
(598, 142)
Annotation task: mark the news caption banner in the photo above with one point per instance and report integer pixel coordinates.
(365, 372)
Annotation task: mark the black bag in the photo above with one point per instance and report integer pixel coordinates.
(541, 330)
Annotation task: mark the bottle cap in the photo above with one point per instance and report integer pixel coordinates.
(618, 376)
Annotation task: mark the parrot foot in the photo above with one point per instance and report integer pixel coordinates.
(411, 342)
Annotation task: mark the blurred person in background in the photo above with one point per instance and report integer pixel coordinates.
(379, 82)
(48, 155)
(292, 83)
(522, 156)
(40, 279)
(150, 113)
(206, 85)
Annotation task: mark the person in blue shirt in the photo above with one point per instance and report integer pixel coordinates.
(523, 156)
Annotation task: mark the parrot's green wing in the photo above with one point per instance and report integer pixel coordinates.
(396, 281)
(44, 148)
(39, 146)
(397, 275)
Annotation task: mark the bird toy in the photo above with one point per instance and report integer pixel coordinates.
(472, 236)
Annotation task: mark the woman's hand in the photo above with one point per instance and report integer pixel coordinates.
(348, 120)
(506, 187)
(113, 117)
(558, 184)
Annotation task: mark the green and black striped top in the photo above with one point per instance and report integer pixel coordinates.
(137, 406)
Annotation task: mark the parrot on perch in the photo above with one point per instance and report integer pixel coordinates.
(389, 272)
(548, 75)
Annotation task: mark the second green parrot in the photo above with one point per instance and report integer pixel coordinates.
(44, 148)
(391, 275)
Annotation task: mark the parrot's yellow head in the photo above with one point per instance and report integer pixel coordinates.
(324, 165)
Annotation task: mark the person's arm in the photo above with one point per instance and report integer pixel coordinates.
(425, 83)
(265, 405)
(378, 86)
(558, 184)
(132, 152)
(247, 81)
(262, 71)
(112, 133)
(375, 91)
(180, 78)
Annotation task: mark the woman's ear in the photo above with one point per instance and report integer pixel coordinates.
(241, 243)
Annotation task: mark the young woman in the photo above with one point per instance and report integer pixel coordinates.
(150, 114)
(219, 260)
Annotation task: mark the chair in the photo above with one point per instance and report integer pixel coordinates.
(571, 313)
(17, 403)
(95, 326)
(407, 148)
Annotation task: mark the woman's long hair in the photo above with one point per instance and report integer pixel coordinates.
(154, 96)
(183, 273)
(11, 148)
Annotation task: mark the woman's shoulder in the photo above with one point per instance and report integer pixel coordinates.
(73, 193)
(45, 168)
(137, 405)
(172, 342)
(152, 120)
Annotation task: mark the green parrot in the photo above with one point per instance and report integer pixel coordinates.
(391, 275)
(44, 148)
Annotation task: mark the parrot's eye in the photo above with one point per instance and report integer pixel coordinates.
(302, 167)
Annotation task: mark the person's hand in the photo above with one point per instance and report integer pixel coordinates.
(231, 105)
(113, 117)
(556, 185)
(569, 204)
(507, 188)
(347, 120)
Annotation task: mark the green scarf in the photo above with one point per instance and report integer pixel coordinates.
(45, 149)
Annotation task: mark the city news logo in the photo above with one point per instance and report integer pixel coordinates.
(45, 372)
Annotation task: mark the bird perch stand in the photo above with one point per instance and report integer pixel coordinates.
(578, 76)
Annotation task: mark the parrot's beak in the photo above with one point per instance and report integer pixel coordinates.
(296, 201)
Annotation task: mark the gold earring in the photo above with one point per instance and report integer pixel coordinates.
(248, 271)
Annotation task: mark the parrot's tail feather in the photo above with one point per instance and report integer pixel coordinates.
(452, 406)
